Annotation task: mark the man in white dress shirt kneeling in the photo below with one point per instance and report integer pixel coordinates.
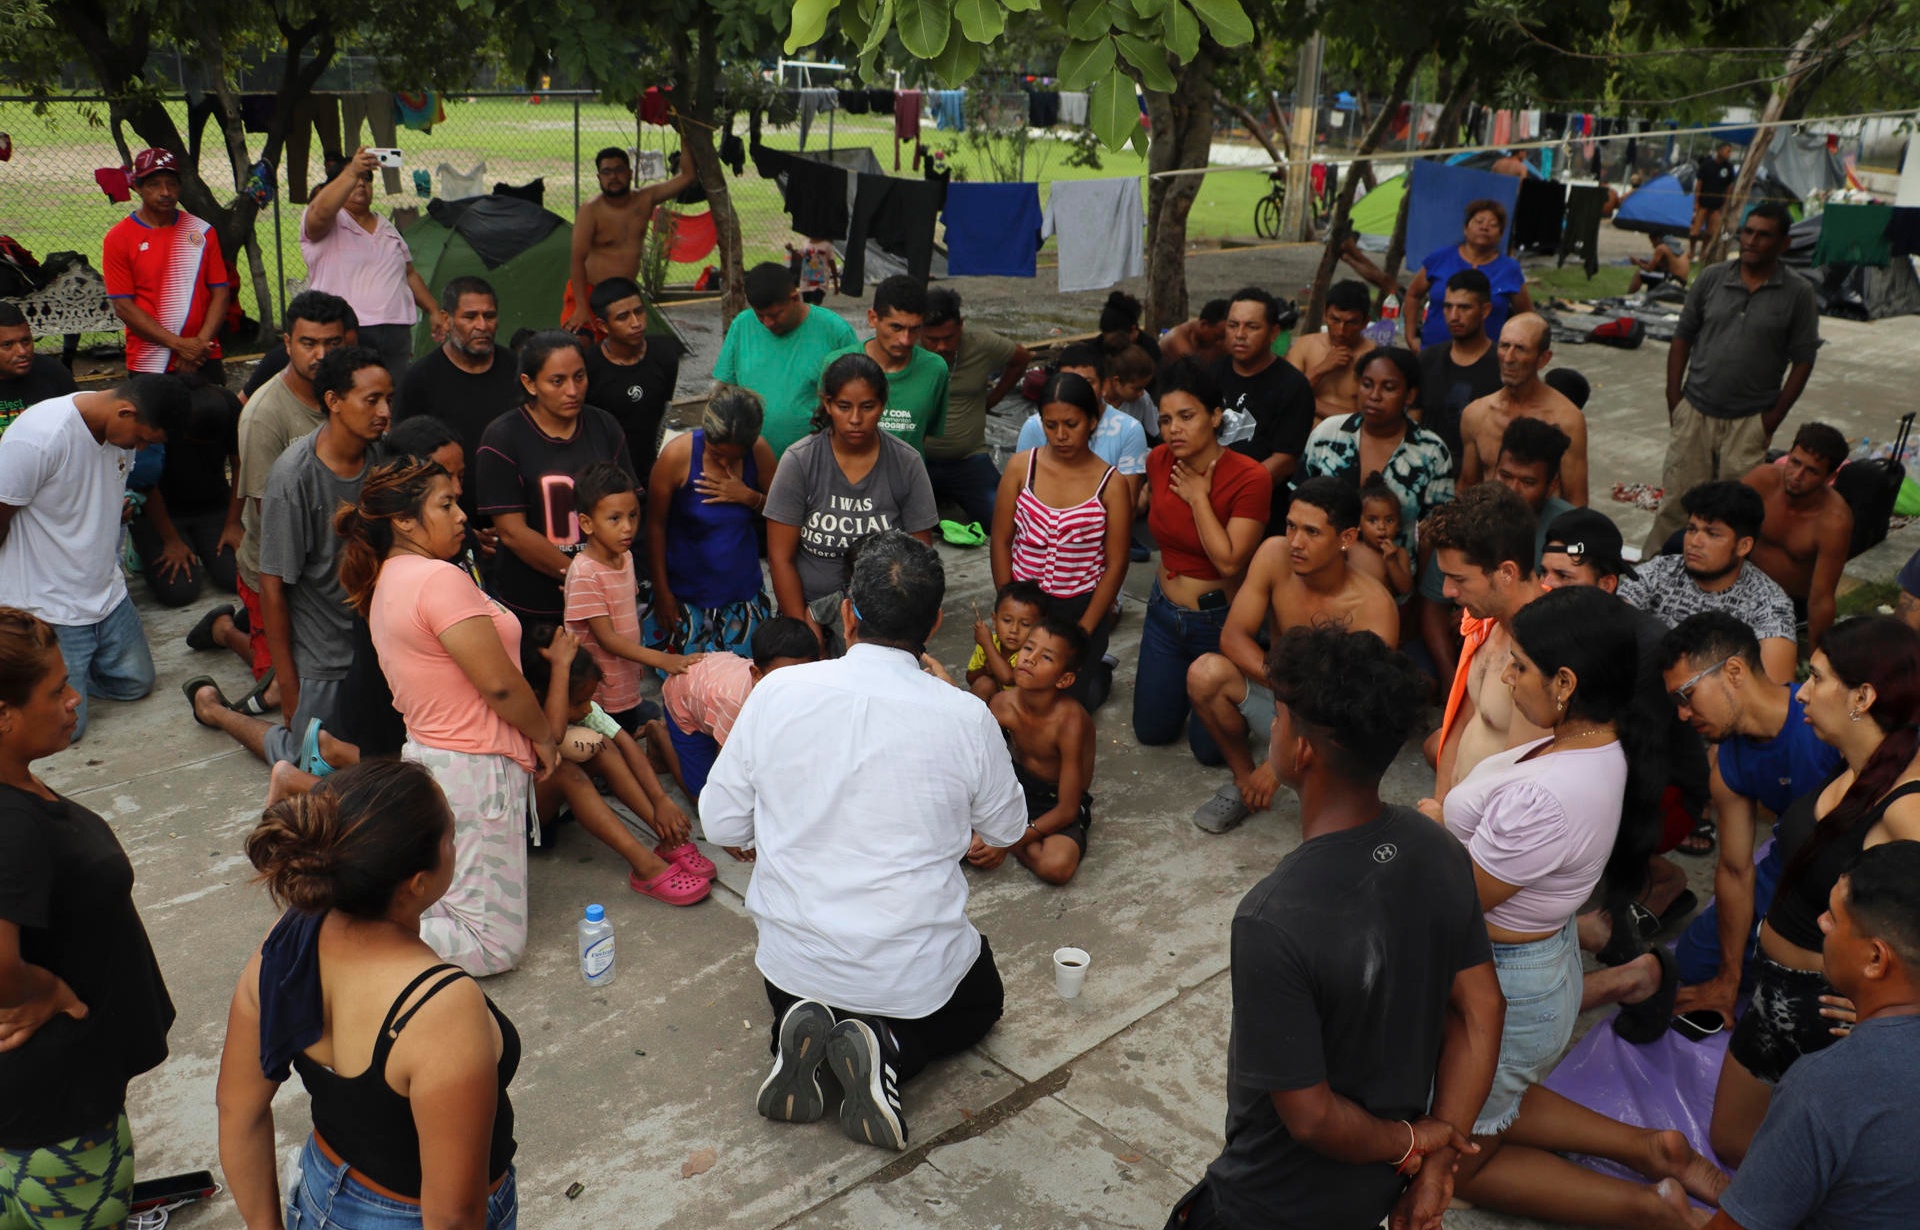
(860, 783)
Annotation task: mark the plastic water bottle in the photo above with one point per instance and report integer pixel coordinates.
(596, 947)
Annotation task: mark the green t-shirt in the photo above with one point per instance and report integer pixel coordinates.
(982, 353)
(784, 371)
(916, 395)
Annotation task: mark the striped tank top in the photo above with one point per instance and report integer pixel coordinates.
(1064, 550)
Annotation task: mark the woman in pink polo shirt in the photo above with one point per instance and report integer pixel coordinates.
(356, 254)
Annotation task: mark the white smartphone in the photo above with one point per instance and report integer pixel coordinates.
(386, 157)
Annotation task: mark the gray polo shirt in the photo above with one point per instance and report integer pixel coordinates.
(1743, 341)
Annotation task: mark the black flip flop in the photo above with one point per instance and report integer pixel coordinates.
(251, 704)
(201, 637)
(1703, 835)
(191, 688)
(1676, 913)
(1648, 1020)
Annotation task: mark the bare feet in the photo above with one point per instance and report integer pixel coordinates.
(1670, 1157)
(1678, 1213)
(1645, 970)
(284, 781)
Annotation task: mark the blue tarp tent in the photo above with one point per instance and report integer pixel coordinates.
(1660, 204)
(1440, 196)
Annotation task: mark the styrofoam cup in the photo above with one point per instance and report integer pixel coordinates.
(1069, 971)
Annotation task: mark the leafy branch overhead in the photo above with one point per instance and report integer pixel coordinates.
(1107, 44)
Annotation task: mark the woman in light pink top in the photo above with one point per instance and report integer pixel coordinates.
(452, 656)
(1547, 823)
(356, 254)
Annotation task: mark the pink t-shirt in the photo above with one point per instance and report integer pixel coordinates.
(1545, 824)
(415, 601)
(708, 697)
(593, 590)
(366, 268)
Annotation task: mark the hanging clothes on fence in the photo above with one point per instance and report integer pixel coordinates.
(457, 186)
(375, 109)
(814, 192)
(1538, 213)
(993, 230)
(419, 110)
(317, 113)
(113, 182)
(1585, 204)
(256, 111)
(1099, 223)
(1502, 128)
(897, 214)
(814, 102)
(1073, 108)
(1043, 108)
(949, 110)
(656, 107)
(1854, 235)
(906, 121)
(690, 237)
(853, 102)
(651, 164)
(881, 101)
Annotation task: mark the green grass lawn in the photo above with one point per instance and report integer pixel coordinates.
(49, 203)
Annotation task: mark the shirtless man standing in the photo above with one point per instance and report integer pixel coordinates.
(1327, 359)
(1523, 351)
(1803, 543)
(1295, 581)
(1483, 542)
(610, 231)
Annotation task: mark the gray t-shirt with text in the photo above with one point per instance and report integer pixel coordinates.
(811, 491)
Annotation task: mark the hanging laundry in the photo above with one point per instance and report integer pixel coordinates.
(256, 111)
(1538, 213)
(897, 214)
(1043, 108)
(113, 182)
(1903, 231)
(690, 237)
(1099, 223)
(881, 101)
(316, 115)
(656, 107)
(1585, 204)
(949, 110)
(815, 102)
(853, 102)
(814, 192)
(458, 186)
(419, 110)
(422, 185)
(652, 165)
(374, 108)
(1854, 235)
(993, 230)
(1502, 128)
(906, 121)
(1073, 108)
(733, 153)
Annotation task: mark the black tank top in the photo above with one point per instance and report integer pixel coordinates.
(1797, 907)
(371, 1127)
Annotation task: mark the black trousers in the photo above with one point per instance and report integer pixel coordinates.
(201, 531)
(953, 1027)
(1194, 1211)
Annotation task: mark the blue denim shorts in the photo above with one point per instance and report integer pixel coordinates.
(1541, 983)
(328, 1198)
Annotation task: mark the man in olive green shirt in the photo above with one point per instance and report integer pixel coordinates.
(984, 367)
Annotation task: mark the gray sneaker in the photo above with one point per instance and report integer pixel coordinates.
(1223, 812)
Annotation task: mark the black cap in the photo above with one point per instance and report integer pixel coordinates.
(1587, 536)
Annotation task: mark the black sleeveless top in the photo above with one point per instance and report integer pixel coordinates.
(371, 1127)
(1797, 907)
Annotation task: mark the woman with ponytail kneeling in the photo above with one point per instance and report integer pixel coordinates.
(452, 656)
(421, 1132)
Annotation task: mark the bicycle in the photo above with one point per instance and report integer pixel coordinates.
(1268, 210)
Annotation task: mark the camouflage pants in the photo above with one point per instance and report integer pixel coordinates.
(481, 924)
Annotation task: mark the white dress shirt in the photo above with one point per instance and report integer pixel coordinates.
(860, 783)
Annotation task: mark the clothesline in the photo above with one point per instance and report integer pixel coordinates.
(1390, 155)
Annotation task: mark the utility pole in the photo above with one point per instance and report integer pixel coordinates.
(1296, 222)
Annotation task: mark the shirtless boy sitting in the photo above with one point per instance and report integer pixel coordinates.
(1299, 580)
(610, 232)
(1803, 542)
(1523, 352)
(1483, 543)
(1051, 738)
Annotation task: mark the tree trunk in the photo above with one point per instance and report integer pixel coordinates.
(213, 60)
(697, 142)
(1181, 139)
(1246, 117)
(1343, 205)
(1439, 138)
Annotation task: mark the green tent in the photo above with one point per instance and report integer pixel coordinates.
(522, 249)
(1375, 213)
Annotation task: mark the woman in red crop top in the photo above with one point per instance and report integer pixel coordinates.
(1207, 507)
(1862, 695)
(406, 1060)
(1064, 520)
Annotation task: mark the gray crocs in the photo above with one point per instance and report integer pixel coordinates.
(1223, 812)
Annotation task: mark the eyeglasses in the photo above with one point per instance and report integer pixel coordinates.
(1683, 695)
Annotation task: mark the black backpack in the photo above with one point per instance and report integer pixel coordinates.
(1870, 489)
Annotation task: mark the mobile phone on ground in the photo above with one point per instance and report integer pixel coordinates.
(386, 157)
(152, 1193)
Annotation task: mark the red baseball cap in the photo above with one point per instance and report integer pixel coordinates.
(153, 162)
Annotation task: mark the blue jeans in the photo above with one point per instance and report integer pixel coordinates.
(109, 659)
(970, 482)
(328, 1198)
(1542, 983)
(1697, 953)
(1171, 639)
